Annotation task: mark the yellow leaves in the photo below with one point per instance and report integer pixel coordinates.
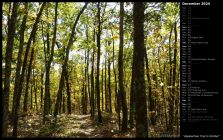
(115, 37)
(163, 55)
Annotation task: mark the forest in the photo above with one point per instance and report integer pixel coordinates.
(90, 69)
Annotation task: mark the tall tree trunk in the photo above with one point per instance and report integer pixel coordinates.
(31, 96)
(92, 80)
(35, 92)
(88, 79)
(109, 85)
(83, 98)
(117, 106)
(19, 92)
(106, 93)
(68, 92)
(120, 67)
(20, 52)
(59, 94)
(49, 59)
(171, 104)
(102, 93)
(141, 110)
(87, 67)
(41, 90)
(98, 63)
(27, 80)
(92, 86)
(8, 60)
(85, 84)
(173, 93)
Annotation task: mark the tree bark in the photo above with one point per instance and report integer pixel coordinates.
(120, 67)
(109, 84)
(106, 93)
(102, 90)
(151, 98)
(92, 80)
(41, 90)
(19, 58)
(173, 93)
(27, 80)
(7, 74)
(98, 63)
(117, 106)
(141, 109)
(68, 92)
(171, 103)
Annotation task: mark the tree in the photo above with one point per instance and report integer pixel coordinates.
(172, 94)
(27, 79)
(141, 111)
(92, 79)
(120, 68)
(151, 98)
(171, 97)
(106, 93)
(8, 60)
(116, 91)
(49, 58)
(109, 85)
(98, 63)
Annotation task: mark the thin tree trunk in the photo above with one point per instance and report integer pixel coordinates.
(116, 91)
(120, 67)
(87, 67)
(98, 64)
(171, 104)
(92, 86)
(109, 85)
(92, 80)
(41, 90)
(106, 93)
(27, 80)
(31, 96)
(174, 76)
(35, 92)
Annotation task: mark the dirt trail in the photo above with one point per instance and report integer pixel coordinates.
(77, 126)
(69, 126)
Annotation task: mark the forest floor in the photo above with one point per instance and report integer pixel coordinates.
(76, 126)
